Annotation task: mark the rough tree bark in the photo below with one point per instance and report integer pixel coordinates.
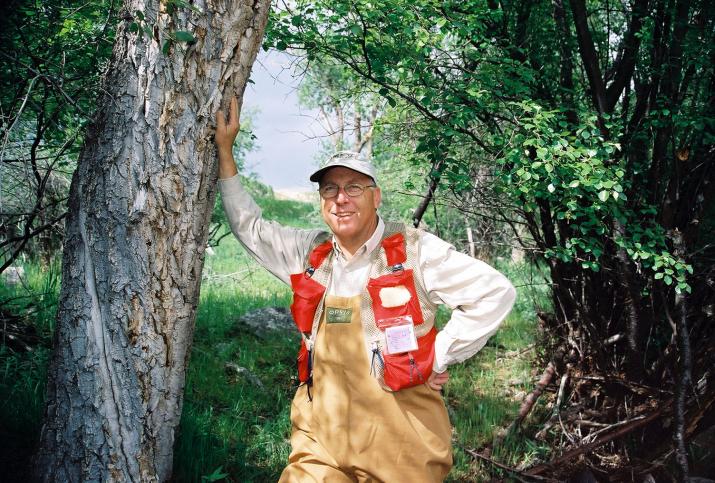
(139, 209)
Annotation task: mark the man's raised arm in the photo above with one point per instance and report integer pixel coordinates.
(280, 249)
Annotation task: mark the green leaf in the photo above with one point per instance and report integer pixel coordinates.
(217, 475)
(165, 48)
(603, 195)
(184, 36)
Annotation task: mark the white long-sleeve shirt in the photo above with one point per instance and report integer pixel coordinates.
(480, 297)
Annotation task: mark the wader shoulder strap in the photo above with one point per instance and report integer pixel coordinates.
(412, 241)
(319, 250)
(402, 247)
(320, 268)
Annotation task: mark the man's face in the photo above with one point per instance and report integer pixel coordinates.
(351, 219)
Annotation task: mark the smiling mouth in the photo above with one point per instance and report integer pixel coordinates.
(344, 215)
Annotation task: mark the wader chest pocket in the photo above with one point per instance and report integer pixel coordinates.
(394, 296)
(410, 368)
(307, 294)
(397, 291)
(303, 363)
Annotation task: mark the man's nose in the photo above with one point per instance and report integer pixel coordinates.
(342, 196)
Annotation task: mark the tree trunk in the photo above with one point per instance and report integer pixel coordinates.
(139, 209)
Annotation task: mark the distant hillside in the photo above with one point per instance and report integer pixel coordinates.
(296, 194)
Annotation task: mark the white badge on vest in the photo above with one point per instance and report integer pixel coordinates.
(399, 334)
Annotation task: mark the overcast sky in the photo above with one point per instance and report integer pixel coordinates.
(286, 153)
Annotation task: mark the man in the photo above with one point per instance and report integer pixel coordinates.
(371, 362)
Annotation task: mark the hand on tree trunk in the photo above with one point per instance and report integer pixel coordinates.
(225, 137)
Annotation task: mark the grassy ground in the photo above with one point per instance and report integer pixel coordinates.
(235, 430)
(23, 367)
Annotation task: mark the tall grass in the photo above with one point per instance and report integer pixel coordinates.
(484, 393)
(228, 421)
(30, 307)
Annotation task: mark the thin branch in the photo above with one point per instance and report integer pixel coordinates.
(519, 475)
(629, 426)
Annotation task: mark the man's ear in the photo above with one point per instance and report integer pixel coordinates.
(377, 198)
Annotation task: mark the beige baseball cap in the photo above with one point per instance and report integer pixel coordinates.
(348, 159)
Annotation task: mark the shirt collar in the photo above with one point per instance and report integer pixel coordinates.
(368, 246)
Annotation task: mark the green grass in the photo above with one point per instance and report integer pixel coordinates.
(484, 393)
(31, 305)
(233, 430)
(227, 421)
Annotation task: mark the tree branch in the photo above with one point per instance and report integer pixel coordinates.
(589, 56)
(625, 67)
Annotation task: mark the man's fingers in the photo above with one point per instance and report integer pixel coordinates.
(436, 381)
(442, 376)
(220, 121)
(233, 124)
(435, 385)
(234, 112)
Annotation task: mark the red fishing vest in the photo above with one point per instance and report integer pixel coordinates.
(394, 267)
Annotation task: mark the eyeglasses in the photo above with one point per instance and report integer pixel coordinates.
(353, 190)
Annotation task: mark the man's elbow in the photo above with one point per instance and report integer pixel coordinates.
(508, 296)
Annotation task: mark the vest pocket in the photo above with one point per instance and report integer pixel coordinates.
(395, 284)
(410, 368)
(307, 294)
(303, 363)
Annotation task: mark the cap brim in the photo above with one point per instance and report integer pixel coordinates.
(315, 177)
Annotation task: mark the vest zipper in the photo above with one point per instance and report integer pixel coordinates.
(414, 368)
(375, 347)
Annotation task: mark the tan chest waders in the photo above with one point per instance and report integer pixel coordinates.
(354, 430)
(347, 424)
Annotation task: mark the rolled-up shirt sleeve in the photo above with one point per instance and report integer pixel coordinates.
(280, 249)
(480, 298)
